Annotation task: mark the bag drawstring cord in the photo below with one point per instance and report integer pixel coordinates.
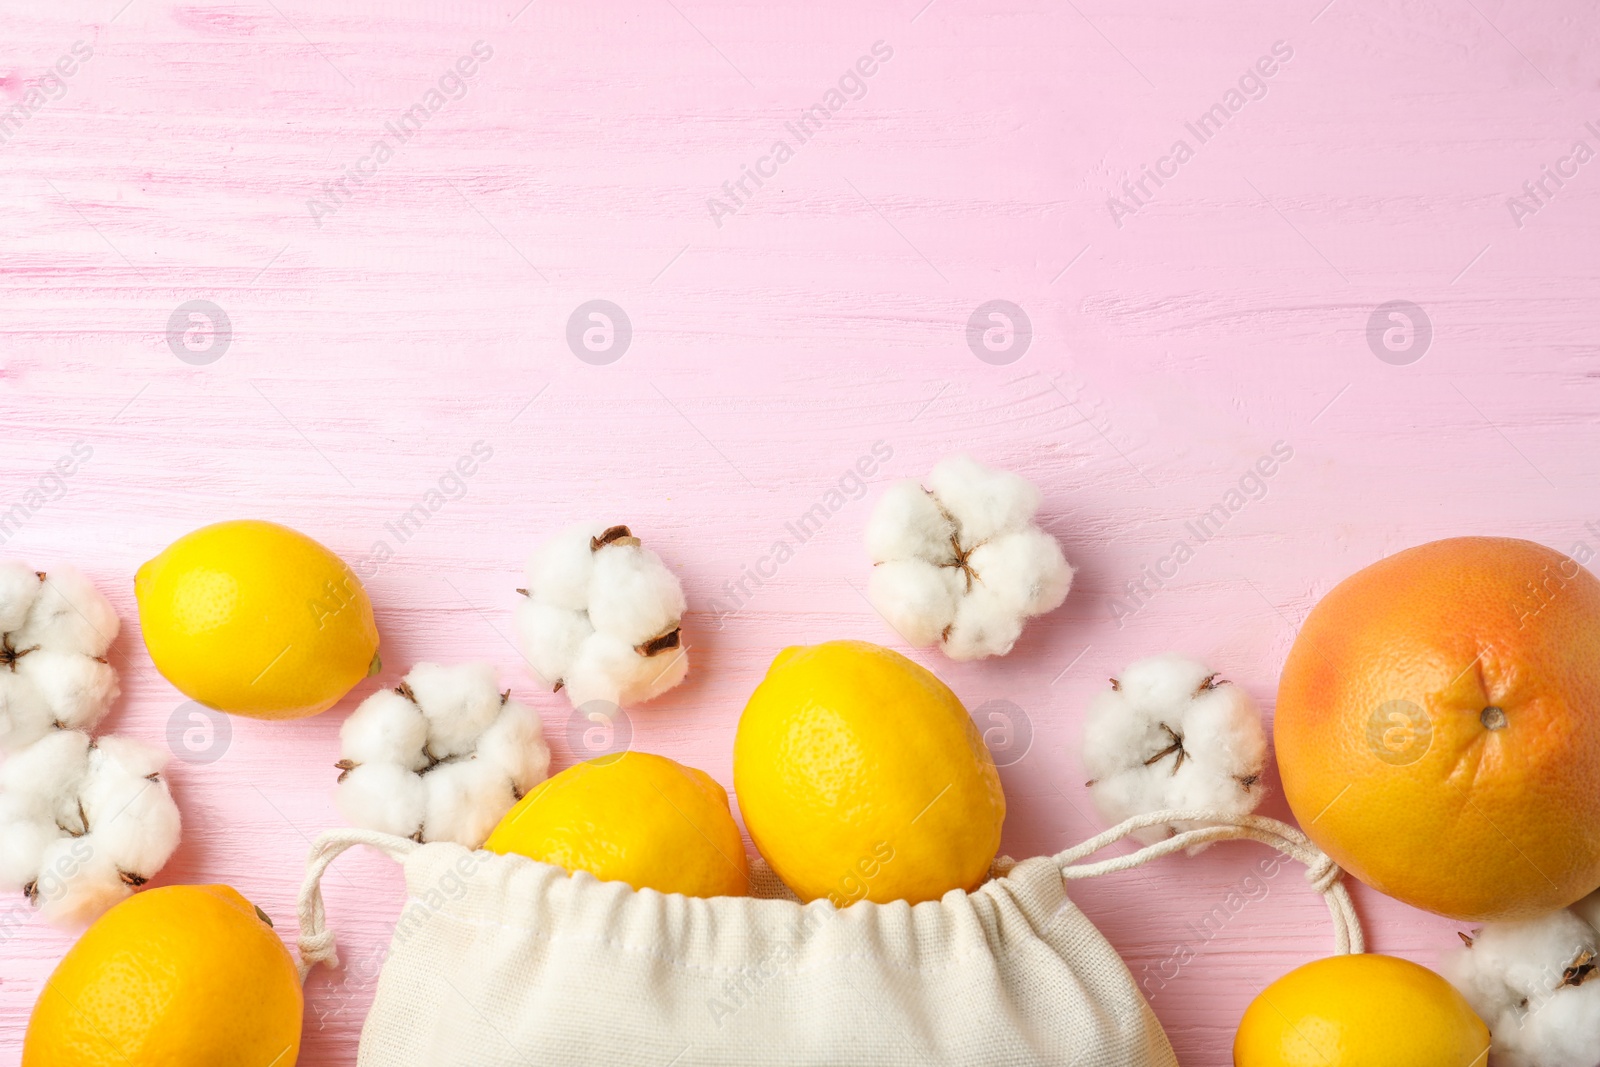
(1325, 876)
(317, 943)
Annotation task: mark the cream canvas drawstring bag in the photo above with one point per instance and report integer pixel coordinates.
(500, 961)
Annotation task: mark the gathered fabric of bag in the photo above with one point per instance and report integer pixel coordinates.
(501, 961)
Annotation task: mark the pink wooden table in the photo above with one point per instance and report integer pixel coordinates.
(790, 310)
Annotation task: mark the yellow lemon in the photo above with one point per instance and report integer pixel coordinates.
(636, 818)
(861, 777)
(184, 976)
(1357, 1011)
(257, 619)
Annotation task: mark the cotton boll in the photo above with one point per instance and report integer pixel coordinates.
(383, 797)
(603, 669)
(551, 637)
(1192, 786)
(46, 778)
(559, 569)
(443, 759)
(632, 594)
(916, 597)
(466, 799)
(985, 625)
(983, 501)
(24, 714)
(972, 527)
(907, 523)
(1522, 960)
(19, 588)
(1025, 569)
(1120, 796)
(1114, 736)
(141, 836)
(83, 822)
(459, 703)
(609, 669)
(131, 815)
(654, 675)
(1515, 975)
(618, 640)
(76, 690)
(386, 728)
(126, 756)
(70, 615)
(78, 883)
(24, 837)
(1156, 684)
(1168, 735)
(514, 746)
(1561, 1031)
(54, 766)
(1227, 717)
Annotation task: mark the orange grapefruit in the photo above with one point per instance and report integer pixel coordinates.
(1438, 727)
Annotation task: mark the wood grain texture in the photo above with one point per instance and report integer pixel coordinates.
(374, 345)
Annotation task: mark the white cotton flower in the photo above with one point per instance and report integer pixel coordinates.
(55, 629)
(19, 588)
(1537, 986)
(76, 690)
(601, 617)
(131, 815)
(559, 569)
(70, 615)
(23, 839)
(83, 823)
(551, 637)
(961, 564)
(984, 502)
(514, 745)
(441, 757)
(49, 775)
(78, 883)
(466, 799)
(388, 727)
(385, 797)
(1169, 734)
(459, 703)
(609, 670)
(918, 598)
